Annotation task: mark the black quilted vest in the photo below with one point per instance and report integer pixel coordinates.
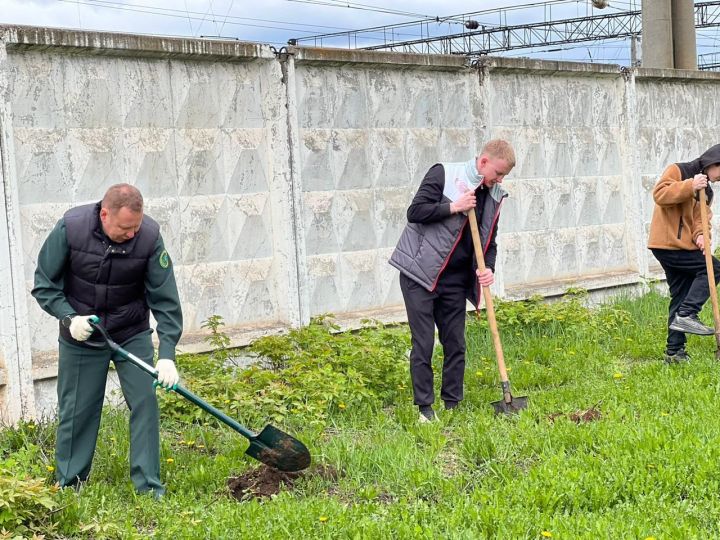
(107, 279)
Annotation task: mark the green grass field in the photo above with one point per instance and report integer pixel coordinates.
(646, 466)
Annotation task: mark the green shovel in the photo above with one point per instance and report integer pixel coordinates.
(271, 446)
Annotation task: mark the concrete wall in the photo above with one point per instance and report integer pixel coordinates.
(281, 178)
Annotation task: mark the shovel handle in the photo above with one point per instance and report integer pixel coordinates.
(489, 307)
(224, 418)
(709, 264)
(184, 392)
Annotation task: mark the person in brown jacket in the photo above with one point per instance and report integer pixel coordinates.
(677, 242)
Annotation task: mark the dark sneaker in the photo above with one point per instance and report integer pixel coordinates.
(691, 325)
(427, 414)
(678, 357)
(450, 405)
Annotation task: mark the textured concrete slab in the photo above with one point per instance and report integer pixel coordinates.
(281, 182)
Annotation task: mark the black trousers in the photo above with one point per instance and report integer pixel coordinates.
(445, 307)
(687, 280)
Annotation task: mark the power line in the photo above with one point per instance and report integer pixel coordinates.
(361, 7)
(470, 20)
(205, 16)
(192, 32)
(494, 39)
(226, 16)
(710, 18)
(190, 15)
(200, 16)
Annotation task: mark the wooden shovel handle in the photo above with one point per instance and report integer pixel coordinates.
(709, 263)
(489, 308)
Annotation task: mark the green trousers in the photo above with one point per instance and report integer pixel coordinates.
(82, 373)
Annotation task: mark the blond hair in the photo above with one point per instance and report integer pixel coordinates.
(500, 149)
(122, 196)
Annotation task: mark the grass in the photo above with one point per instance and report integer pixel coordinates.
(648, 467)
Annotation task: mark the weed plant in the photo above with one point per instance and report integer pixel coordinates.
(647, 467)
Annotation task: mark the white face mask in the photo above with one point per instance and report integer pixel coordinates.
(473, 177)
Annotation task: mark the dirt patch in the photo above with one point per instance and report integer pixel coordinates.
(579, 417)
(589, 415)
(265, 481)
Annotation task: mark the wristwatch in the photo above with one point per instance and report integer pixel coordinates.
(66, 320)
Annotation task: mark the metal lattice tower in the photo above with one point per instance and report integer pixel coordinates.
(488, 39)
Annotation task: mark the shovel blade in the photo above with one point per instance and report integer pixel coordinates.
(278, 449)
(515, 405)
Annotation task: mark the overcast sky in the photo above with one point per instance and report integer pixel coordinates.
(276, 21)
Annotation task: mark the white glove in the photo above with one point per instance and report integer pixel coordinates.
(80, 328)
(167, 374)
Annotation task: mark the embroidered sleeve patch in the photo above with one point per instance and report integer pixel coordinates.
(164, 259)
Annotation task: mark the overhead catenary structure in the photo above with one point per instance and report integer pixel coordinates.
(709, 61)
(667, 26)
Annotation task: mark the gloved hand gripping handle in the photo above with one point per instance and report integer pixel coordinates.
(147, 368)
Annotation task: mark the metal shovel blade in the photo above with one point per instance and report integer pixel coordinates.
(278, 449)
(515, 405)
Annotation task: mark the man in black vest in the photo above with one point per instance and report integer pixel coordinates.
(108, 259)
(438, 273)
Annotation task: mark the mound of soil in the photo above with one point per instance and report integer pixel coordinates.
(579, 417)
(590, 415)
(265, 481)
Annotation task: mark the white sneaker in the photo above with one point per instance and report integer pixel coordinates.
(427, 420)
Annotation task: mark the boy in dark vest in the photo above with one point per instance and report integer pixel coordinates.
(438, 272)
(677, 242)
(108, 259)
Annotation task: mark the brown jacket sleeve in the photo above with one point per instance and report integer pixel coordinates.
(675, 222)
(670, 189)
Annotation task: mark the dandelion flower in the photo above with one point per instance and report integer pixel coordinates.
(170, 460)
(342, 406)
(50, 468)
(546, 534)
(323, 519)
(617, 375)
